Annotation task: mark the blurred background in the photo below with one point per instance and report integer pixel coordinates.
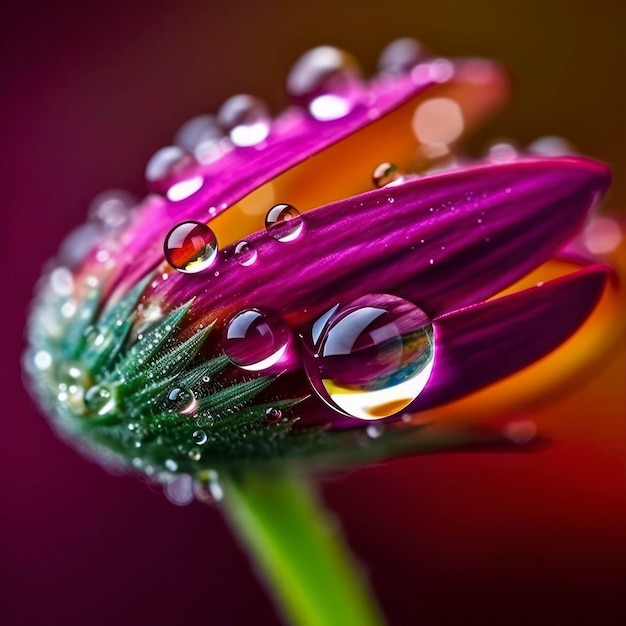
(89, 91)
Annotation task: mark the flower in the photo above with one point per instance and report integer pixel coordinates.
(263, 304)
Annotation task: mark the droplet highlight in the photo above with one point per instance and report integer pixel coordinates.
(181, 400)
(191, 247)
(256, 339)
(371, 358)
(100, 399)
(284, 222)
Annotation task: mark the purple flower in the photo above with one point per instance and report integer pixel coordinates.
(338, 303)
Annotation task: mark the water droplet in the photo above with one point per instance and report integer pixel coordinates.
(521, 431)
(178, 489)
(245, 253)
(246, 119)
(385, 174)
(202, 137)
(171, 465)
(112, 209)
(42, 360)
(256, 339)
(190, 247)
(100, 399)
(207, 488)
(552, 146)
(372, 357)
(273, 415)
(195, 454)
(200, 437)
(182, 400)
(62, 282)
(400, 56)
(374, 431)
(502, 152)
(284, 222)
(327, 82)
(167, 162)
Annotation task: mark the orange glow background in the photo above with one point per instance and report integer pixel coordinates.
(89, 92)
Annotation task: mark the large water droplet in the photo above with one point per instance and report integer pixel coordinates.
(284, 222)
(245, 253)
(327, 82)
(400, 56)
(246, 119)
(372, 357)
(182, 400)
(190, 247)
(100, 399)
(256, 339)
(386, 174)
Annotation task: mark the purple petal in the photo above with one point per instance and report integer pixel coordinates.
(294, 138)
(479, 345)
(441, 242)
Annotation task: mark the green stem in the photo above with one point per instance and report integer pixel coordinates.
(299, 550)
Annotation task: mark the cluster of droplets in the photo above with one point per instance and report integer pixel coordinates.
(192, 247)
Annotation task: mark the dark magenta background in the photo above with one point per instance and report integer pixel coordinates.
(88, 92)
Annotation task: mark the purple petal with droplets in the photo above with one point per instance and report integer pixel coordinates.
(294, 137)
(484, 343)
(441, 242)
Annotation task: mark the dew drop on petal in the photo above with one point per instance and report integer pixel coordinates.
(246, 119)
(191, 247)
(502, 152)
(372, 357)
(284, 222)
(256, 339)
(112, 209)
(551, 146)
(245, 253)
(400, 56)
(326, 82)
(385, 174)
(197, 132)
(181, 400)
(100, 399)
(200, 437)
(167, 162)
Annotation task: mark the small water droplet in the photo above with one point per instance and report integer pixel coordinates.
(207, 488)
(372, 357)
(374, 431)
(195, 454)
(112, 209)
(284, 222)
(245, 253)
(167, 162)
(551, 146)
(100, 399)
(171, 465)
(273, 415)
(191, 247)
(246, 119)
(400, 56)
(42, 360)
(502, 152)
(326, 82)
(256, 339)
(61, 282)
(182, 400)
(385, 174)
(178, 489)
(200, 437)
(202, 137)
(521, 431)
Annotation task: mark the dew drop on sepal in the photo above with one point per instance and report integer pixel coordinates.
(371, 357)
(191, 247)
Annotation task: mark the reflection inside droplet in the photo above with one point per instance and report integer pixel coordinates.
(284, 222)
(190, 247)
(372, 357)
(246, 119)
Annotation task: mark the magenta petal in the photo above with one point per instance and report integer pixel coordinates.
(294, 137)
(441, 242)
(481, 344)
